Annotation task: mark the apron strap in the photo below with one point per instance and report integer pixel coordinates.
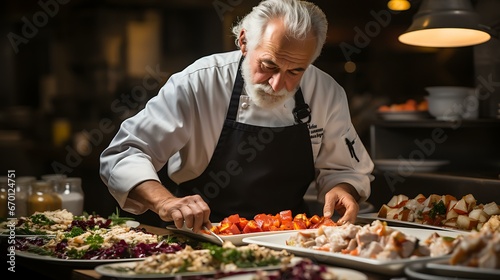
(301, 110)
(235, 97)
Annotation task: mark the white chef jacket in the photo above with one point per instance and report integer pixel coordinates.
(183, 122)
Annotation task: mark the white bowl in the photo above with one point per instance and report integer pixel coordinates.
(447, 91)
(446, 108)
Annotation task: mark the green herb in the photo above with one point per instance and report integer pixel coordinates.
(116, 219)
(94, 241)
(438, 209)
(41, 219)
(75, 231)
(75, 254)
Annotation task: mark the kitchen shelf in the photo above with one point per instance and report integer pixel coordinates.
(471, 148)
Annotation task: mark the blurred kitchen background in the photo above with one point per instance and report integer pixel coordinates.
(73, 70)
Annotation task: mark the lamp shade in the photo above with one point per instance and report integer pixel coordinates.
(445, 23)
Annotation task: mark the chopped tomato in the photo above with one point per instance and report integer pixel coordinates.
(252, 226)
(231, 230)
(286, 225)
(264, 221)
(315, 219)
(234, 219)
(242, 223)
(298, 224)
(286, 215)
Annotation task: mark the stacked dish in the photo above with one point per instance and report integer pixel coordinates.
(448, 103)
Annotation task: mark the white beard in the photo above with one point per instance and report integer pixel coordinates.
(263, 95)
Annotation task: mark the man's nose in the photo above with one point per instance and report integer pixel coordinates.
(277, 81)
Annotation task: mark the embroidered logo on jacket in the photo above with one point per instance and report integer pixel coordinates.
(314, 131)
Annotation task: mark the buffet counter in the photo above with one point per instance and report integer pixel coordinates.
(50, 270)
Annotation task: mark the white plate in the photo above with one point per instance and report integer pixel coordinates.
(341, 273)
(116, 270)
(422, 271)
(388, 267)
(72, 262)
(446, 269)
(405, 166)
(369, 217)
(236, 239)
(404, 115)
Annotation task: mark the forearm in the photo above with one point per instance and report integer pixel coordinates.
(151, 194)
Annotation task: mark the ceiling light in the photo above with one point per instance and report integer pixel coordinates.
(445, 23)
(398, 5)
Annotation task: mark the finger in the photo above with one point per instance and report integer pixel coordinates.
(328, 210)
(178, 218)
(351, 212)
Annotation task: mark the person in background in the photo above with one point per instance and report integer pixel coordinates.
(245, 132)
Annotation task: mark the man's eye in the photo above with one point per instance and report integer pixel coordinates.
(293, 72)
(269, 67)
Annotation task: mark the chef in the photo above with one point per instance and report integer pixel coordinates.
(244, 132)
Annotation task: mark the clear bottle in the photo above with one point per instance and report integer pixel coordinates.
(71, 193)
(43, 198)
(23, 191)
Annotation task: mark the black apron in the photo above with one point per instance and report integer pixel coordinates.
(256, 169)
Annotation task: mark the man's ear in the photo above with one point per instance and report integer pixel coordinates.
(242, 42)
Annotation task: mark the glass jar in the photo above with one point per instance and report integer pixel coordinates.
(43, 198)
(23, 191)
(71, 194)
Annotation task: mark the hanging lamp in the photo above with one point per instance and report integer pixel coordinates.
(445, 23)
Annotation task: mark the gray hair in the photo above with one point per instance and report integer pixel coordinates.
(300, 18)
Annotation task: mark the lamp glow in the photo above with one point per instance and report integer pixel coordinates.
(445, 23)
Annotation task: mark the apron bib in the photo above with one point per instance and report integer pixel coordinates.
(256, 169)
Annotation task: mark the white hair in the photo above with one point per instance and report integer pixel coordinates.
(300, 18)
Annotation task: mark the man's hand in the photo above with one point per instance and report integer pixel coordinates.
(191, 211)
(343, 198)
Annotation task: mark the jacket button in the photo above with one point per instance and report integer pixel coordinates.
(244, 105)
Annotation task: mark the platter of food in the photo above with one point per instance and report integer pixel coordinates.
(370, 217)
(297, 271)
(71, 262)
(236, 239)
(88, 240)
(435, 212)
(235, 228)
(475, 258)
(208, 260)
(446, 269)
(432, 245)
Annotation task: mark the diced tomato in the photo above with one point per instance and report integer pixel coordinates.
(224, 226)
(286, 225)
(298, 224)
(315, 219)
(252, 227)
(231, 230)
(242, 223)
(264, 221)
(286, 215)
(302, 218)
(324, 222)
(234, 219)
